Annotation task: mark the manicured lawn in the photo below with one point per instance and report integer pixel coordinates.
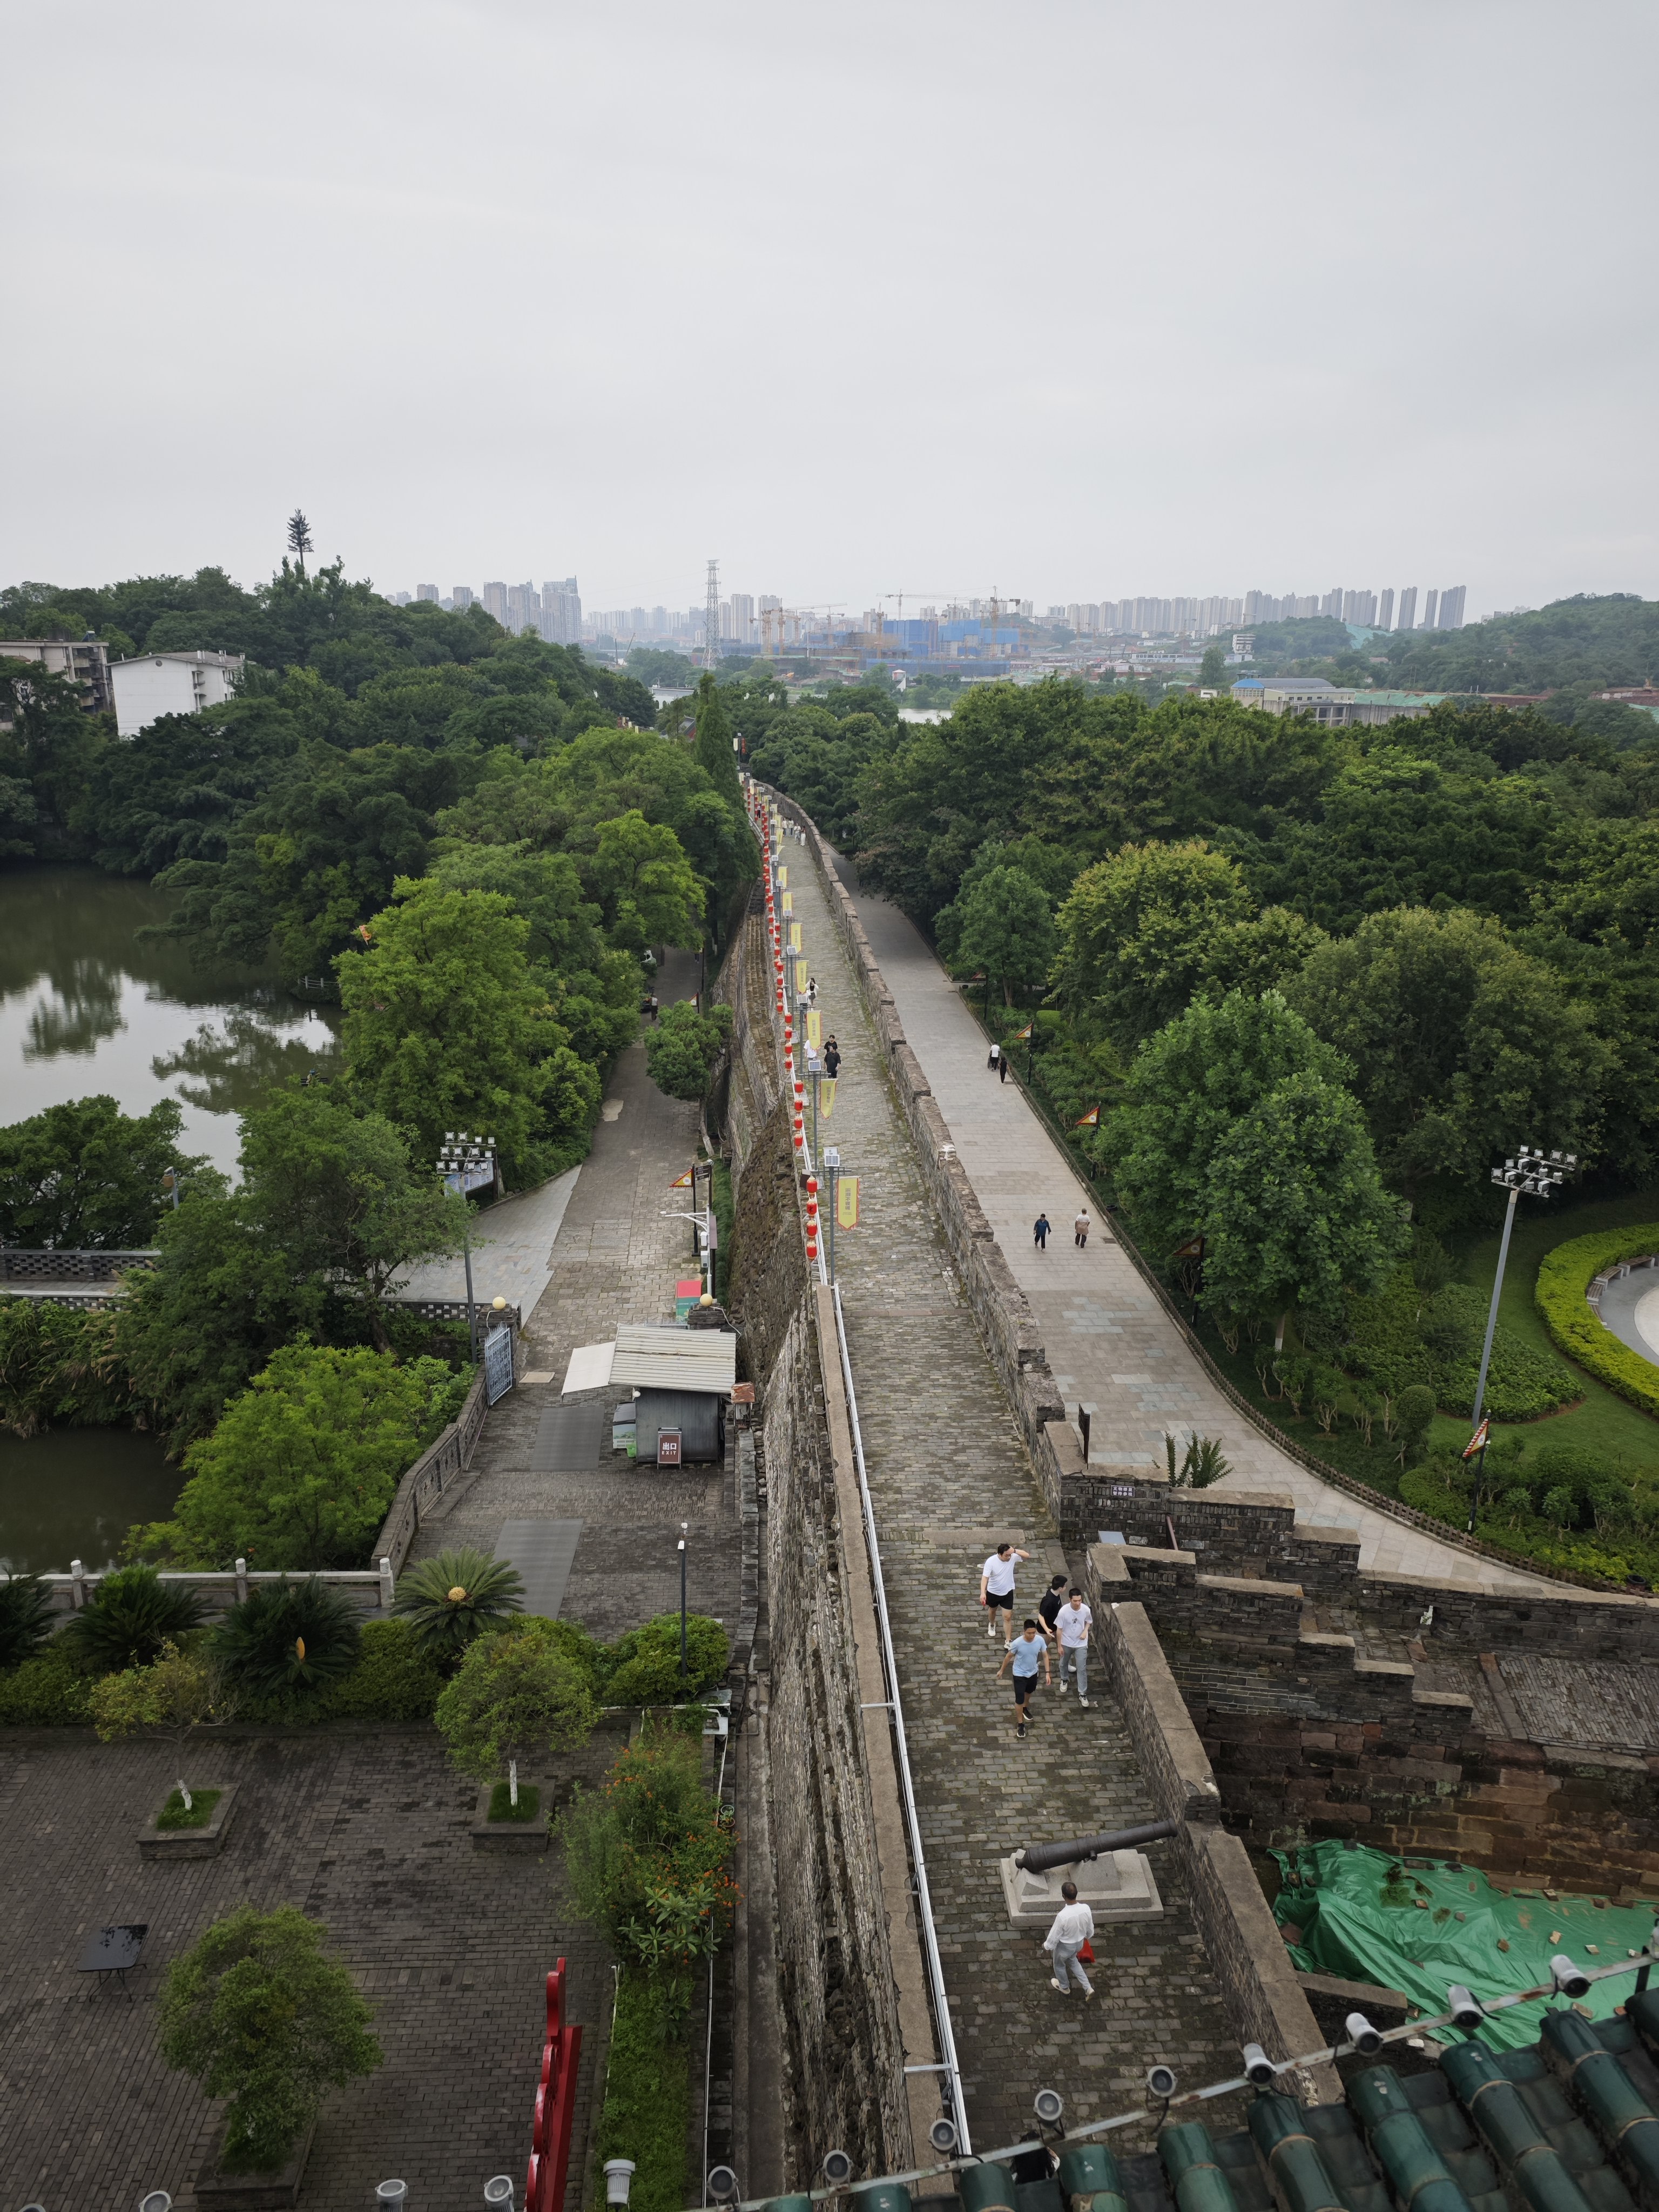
(1603, 1423)
(501, 1807)
(175, 1814)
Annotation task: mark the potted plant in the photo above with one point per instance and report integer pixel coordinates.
(172, 1698)
(256, 2013)
(515, 1696)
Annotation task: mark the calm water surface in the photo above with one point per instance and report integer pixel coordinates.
(73, 1493)
(86, 1005)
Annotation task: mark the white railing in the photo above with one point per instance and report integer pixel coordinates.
(77, 1589)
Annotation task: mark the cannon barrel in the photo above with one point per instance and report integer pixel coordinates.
(1037, 1858)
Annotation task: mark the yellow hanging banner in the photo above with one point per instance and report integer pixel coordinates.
(783, 879)
(826, 1098)
(815, 1027)
(795, 937)
(800, 974)
(847, 1202)
(789, 902)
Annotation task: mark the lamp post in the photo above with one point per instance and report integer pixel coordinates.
(466, 1163)
(173, 1182)
(685, 1674)
(831, 1164)
(1537, 1174)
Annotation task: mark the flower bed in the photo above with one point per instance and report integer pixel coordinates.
(1563, 1280)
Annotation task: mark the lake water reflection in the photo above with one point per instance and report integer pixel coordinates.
(73, 1494)
(88, 1005)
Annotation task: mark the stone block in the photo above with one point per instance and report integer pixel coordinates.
(522, 1838)
(1117, 1886)
(253, 2192)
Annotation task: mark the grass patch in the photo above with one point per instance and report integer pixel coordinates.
(647, 2114)
(501, 1807)
(1603, 1422)
(725, 1220)
(175, 1813)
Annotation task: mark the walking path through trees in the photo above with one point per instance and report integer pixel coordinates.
(950, 1477)
(1109, 1343)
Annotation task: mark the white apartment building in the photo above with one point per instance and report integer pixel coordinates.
(157, 684)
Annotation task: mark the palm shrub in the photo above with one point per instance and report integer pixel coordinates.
(255, 2012)
(133, 1615)
(25, 1618)
(1202, 1463)
(459, 1595)
(286, 1643)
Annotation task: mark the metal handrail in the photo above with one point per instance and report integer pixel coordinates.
(947, 2042)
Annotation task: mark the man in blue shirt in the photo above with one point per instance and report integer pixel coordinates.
(1028, 1651)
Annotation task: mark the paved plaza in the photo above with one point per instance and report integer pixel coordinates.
(949, 1475)
(369, 1833)
(1109, 1343)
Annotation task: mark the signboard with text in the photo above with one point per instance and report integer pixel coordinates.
(847, 1202)
(668, 1447)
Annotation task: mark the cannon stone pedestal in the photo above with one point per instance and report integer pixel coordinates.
(1117, 1885)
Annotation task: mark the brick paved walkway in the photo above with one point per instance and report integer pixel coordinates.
(1108, 1339)
(949, 1475)
(370, 1833)
(619, 1250)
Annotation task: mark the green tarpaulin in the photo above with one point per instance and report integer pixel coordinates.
(1372, 1917)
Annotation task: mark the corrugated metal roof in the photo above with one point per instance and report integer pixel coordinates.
(649, 1358)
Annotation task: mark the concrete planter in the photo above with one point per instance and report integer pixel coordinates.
(525, 1838)
(253, 2192)
(204, 1843)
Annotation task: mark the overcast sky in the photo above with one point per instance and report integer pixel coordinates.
(1074, 299)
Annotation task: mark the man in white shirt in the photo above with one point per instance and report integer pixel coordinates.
(1072, 1626)
(996, 1587)
(1074, 1926)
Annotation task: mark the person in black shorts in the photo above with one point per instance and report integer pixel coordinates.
(996, 1587)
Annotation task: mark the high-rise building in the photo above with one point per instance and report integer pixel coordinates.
(426, 592)
(742, 618)
(494, 600)
(1451, 607)
(1332, 605)
(524, 608)
(1385, 612)
(1408, 608)
(460, 597)
(1430, 607)
(562, 612)
(400, 599)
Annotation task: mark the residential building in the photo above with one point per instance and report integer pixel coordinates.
(1408, 608)
(742, 618)
(157, 683)
(524, 608)
(1385, 611)
(426, 592)
(400, 599)
(460, 597)
(1318, 696)
(1331, 606)
(1430, 607)
(1360, 608)
(562, 612)
(494, 600)
(1451, 607)
(82, 661)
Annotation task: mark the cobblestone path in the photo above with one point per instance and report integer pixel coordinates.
(949, 1476)
(620, 1248)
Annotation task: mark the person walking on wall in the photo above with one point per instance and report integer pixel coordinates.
(1049, 1603)
(1074, 1926)
(1028, 1651)
(831, 1057)
(811, 990)
(1073, 1622)
(1002, 1067)
(1080, 1227)
(996, 1585)
(992, 1057)
(1040, 1232)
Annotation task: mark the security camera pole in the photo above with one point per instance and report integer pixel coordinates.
(1537, 1174)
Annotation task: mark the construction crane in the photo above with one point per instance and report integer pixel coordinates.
(773, 618)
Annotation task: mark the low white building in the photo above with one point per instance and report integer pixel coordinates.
(158, 683)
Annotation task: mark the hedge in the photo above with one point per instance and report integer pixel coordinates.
(1564, 1277)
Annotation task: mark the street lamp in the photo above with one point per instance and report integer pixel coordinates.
(467, 1163)
(831, 1165)
(1537, 1174)
(685, 1676)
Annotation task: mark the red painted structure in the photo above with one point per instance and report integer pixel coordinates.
(556, 2105)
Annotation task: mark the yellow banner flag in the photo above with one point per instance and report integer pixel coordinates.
(789, 901)
(815, 1027)
(783, 879)
(795, 937)
(826, 1098)
(800, 974)
(686, 1182)
(847, 1202)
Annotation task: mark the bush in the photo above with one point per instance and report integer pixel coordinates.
(25, 1618)
(457, 1597)
(50, 1691)
(1564, 1277)
(58, 1366)
(646, 2112)
(681, 1051)
(646, 1666)
(1521, 1383)
(515, 1696)
(1413, 1415)
(254, 2012)
(286, 1644)
(133, 1615)
(394, 1679)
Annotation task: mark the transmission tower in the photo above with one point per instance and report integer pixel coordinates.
(711, 618)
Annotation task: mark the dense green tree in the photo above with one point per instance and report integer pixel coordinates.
(49, 750)
(1138, 931)
(1212, 667)
(83, 1173)
(516, 1696)
(1462, 1045)
(173, 791)
(446, 1028)
(647, 888)
(1007, 931)
(682, 1048)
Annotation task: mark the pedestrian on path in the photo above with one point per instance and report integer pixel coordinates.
(1028, 1651)
(811, 990)
(996, 1585)
(1074, 1926)
(1072, 1627)
(831, 1057)
(1040, 1232)
(1002, 1067)
(1080, 1227)
(993, 1057)
(1049, 1603)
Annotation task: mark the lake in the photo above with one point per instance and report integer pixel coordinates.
(73, 1493)
(86, 1005)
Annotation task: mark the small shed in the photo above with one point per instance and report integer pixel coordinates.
(697, 1414)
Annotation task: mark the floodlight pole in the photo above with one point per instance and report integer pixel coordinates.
(1532, 1172)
